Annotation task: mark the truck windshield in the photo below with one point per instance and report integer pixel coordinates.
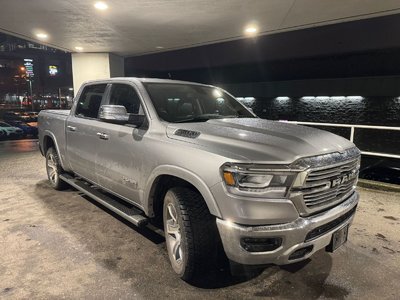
(180, 103)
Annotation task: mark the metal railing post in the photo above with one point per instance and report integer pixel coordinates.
(352, 134)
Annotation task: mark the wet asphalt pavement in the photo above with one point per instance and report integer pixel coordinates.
(62, 245)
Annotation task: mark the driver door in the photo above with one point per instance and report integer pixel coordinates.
(121, 155)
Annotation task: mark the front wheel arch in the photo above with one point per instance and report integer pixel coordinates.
(161, 180)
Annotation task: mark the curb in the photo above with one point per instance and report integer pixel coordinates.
(377, 185)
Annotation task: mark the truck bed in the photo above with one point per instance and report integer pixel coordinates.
(53, 122)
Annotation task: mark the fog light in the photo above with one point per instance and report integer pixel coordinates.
(300, 252)
(260, 244)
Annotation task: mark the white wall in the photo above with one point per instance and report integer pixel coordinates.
(117, 68)
(92, 66)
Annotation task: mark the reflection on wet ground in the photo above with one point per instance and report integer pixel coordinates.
(18, 146)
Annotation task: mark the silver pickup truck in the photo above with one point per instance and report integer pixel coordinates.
(194, 159)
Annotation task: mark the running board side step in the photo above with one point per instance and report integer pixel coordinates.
(129, 213)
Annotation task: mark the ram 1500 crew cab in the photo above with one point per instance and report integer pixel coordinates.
(193, 157)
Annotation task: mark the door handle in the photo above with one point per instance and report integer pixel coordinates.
(71, 128)
(102, 135)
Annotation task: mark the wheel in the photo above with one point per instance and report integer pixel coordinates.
(190, 233)
(53, 168)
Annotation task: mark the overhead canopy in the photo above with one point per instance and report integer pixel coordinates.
(135, 27)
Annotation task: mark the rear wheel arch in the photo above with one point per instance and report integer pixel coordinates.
(54, 169)
(49, 141)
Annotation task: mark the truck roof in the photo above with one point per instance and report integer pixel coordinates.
(144, 80)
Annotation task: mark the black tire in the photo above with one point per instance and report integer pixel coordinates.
(54, 169)
(198, 233)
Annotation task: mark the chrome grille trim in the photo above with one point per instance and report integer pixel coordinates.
(317, 190)
(328, 199)
(329, 180)
(317, 175)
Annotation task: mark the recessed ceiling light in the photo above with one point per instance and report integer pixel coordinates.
(42, 35)
(78, 48)
(251, 30)
(101, 5)
(159, 47)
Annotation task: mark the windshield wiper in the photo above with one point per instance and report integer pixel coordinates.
(228, 117)
(194, 119)
(206, 117)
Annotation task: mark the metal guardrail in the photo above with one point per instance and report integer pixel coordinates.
(352, 133)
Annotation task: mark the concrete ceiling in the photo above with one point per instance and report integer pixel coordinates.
(136, 27)
(374, 35)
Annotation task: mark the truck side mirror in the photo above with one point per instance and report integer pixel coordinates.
(113, 114)
(136, 120)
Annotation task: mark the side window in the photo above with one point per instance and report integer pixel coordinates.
(125, 95)
(89, 103)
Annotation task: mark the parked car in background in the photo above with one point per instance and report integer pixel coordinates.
(11, 131)
(33, 124)
(29, 130)
(33, 116)
(12, 116)
(24, 116)
(3, 134)
(29, 116)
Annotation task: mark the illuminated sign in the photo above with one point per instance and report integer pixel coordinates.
(53, 70)
(28, 64)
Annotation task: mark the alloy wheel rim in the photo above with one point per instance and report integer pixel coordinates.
(52, 168)
(173, 236)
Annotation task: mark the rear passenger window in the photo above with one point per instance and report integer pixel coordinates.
(89, 103)
(125, 95)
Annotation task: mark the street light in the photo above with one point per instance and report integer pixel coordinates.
(18, 81)
(31, 92)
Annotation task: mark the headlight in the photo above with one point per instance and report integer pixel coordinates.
(258, 181)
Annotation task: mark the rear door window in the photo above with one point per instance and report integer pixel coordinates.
(90, 100)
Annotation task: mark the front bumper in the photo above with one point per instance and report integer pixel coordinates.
(294, 235)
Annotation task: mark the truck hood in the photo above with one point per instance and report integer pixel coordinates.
(258, 140)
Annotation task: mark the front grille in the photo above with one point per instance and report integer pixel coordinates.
(328, 185)
(321, 230)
